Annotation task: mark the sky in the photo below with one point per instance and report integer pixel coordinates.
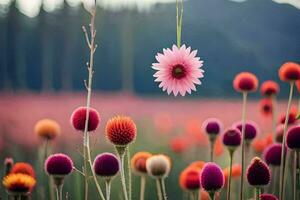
(31, 8)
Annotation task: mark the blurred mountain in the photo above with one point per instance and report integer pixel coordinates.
(256, 35)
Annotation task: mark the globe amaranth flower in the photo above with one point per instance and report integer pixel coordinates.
(267, 197)
(272, 154)
(19, 183)
(121, 130)
(258, 173)
(269, 88)
(293, 138)
(138, 162)
(266, 107)
(58, 165)
(178, 70)
(245, 82)
(232, 138)
(189, 179)
(197, 164)
(212, 177)
(279, 133)
(158, 166)
(292, 118)
(78, 119)
(212, 127)
(289, 71)
(251, 129)
(23, 168)
(47, 129)
(106, 165)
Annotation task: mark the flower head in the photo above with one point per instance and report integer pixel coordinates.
(189, 179)
(212, 126)
(78, 119)
(179, 144)
(8, 164)
(269, 88)
(251, 129)
(212, 177)
(58, 165)
(289, 71)
(279, 133)
(232, 137)
(23, 168)
(197, 164)
(158, 166)
(272, 154)
(258, 173)
(19, 183)
(267, 197)
(106, 165)
(121, 130)
(178, 70)
(266, 106)
(292, 118)
(47, 129)
(245, 82)
(138, 162)
(293, 137)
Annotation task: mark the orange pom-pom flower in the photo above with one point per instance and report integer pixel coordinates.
(121, 130)
(19, 184)
(245, 82)
(189, 179)
(23, 168)
(138, 163)
(289, 71)
(47, 129)
(269, 88)
(266, 107)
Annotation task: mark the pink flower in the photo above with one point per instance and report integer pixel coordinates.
(178, 70)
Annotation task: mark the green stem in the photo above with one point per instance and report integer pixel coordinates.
(283, 151)
(230, 174)
(179, 22)
(158, 188)
(294, 175)
(108, 186)
(121, 154)
(257, 193)
(243, 144)
(142, 188)
(212, 195)
(274, 114)
(212, 142)
(59, 192)
(129, 172)
(162, 188)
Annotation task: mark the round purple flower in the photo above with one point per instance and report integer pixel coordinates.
(58, 165)
(251, 129)
(267, 197)
(293, 137)
(258, 173)
(232, 137)
(272, 154)
(212, 177)
(212, 126)
(106, 164)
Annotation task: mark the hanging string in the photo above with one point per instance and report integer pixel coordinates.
(179, 15)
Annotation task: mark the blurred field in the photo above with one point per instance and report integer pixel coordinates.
(159, 121)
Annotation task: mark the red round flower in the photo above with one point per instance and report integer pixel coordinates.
(245, 82)
(23, 168)
(138, 162)
(189, 179)
(266, 106)
(258, 173)
(269, 88)
(121, 130)
(179, 144)
(78, 119)
(289, 71)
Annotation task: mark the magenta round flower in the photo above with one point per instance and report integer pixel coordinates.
(258, 173)
(251, 129)
(58, 165)
(212, 177)
(272, 154)
(293, 137)
(178, 70)
(232, 137)
(106, 164)
(267, 197)
(212, 126)
(78, 119)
